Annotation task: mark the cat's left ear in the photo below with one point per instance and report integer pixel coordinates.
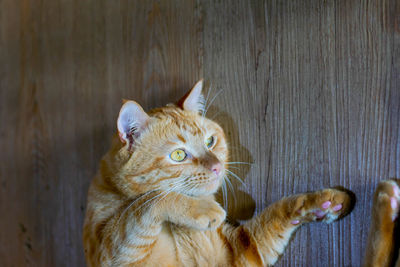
(132, 120)
(193, 100)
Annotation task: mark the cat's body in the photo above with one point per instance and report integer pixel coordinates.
(152, 203)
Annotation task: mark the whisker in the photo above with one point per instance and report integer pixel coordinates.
(203, 114)
(163, 195)
(225, 194)
(176, 184)
(160, 199)
(184, 187)
(231, 188)
(133, 202)
(237, 177)
(232, 167)
(141, 207)
(215, 115)
(239, 162)
(212, 100)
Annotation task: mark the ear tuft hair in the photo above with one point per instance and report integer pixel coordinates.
(132, 120)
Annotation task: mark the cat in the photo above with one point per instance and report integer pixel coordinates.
(152, 202)
(383, 235)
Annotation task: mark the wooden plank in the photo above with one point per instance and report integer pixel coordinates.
(310, 95)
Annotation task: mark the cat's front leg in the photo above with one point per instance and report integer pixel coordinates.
(261, 240)
(197, 213)
(384, 213)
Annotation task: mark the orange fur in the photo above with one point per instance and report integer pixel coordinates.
(381, 241)
(146, 210)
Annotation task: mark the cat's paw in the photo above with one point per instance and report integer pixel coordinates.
(326, 205)
(207, 214)
(387, 199)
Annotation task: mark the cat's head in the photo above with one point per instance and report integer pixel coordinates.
(173, 148)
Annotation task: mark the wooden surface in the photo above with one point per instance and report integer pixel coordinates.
(310, 95)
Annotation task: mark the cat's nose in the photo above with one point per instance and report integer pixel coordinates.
(216, 168)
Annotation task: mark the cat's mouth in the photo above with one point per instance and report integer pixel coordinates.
(204, 185)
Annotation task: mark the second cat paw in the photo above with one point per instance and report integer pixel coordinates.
(388, 194)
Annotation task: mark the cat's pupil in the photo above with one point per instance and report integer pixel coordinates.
(209, 141)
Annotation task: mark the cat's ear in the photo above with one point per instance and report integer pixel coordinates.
(193, 100)
(132, 119)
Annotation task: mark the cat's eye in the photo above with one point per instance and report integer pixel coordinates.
(178, 155)
(210, 141)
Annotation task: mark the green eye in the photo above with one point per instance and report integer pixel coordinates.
(210, 141)
(178, 155)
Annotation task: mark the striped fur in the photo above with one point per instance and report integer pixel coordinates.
(144, 210)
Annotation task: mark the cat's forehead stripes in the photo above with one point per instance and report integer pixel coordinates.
(181, 138)
(183, 120)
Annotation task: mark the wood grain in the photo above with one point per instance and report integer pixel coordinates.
(308, 91)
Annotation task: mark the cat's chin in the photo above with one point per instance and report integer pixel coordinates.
(212, 186)
(208, 189)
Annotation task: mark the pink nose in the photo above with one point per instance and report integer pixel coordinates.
(216, 168)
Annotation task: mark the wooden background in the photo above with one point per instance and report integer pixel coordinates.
(310, 95)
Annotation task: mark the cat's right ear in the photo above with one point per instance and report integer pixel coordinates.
(132, 119)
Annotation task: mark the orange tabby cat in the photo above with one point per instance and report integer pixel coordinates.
(382, 237)
(152, 201)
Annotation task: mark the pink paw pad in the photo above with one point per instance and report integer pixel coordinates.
(326, 205)
(337, 207)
